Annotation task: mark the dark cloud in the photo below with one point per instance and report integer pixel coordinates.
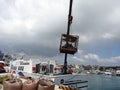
(35, 28)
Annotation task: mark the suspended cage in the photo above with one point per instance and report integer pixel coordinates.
(69, 44)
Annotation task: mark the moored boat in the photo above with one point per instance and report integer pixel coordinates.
(46, 70)
(117, 72)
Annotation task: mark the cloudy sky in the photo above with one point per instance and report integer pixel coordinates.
(34, 28)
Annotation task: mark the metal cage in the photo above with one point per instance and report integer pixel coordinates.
(69, 44)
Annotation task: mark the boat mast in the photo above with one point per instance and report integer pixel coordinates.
(68, 32)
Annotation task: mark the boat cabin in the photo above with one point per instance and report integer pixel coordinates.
(21, 66)
(45, 67)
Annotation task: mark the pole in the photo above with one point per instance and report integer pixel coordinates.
(69, 16)
(68, 32)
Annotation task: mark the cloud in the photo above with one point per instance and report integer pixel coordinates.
(84, 39)
(91, 56)
(35, 27)
(28, 22)
(94, 59)
(108, 36)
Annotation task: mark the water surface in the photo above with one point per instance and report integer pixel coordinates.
(103, 82)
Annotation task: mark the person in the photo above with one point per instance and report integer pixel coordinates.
(2, 69)
(70, 70)
(61, 68)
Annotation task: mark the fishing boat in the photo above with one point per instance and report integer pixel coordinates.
(47, 71)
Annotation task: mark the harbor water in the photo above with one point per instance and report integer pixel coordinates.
(103, 82)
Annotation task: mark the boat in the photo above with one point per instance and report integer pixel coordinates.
(117, 72)
(47, 71)
(108, 72)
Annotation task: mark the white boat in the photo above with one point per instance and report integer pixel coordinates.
(26, 67)
(108, 72)
(117, 72)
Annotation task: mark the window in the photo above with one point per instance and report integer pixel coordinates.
(21, 68)
(14, 67)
